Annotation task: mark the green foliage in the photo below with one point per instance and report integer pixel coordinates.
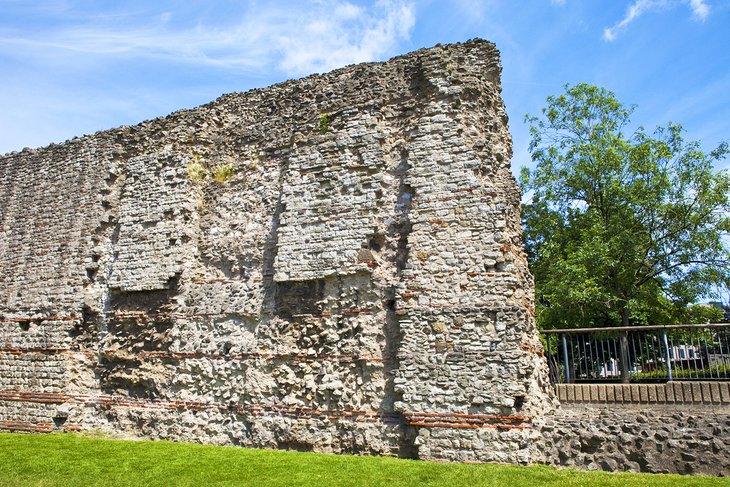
(324, 123)
(197, 170)
(714, 371)
(621, 228)
(222, 173)
(200, 171)
(700, 313)
(64, 459)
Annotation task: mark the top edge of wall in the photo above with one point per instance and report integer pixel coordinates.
(481, 48)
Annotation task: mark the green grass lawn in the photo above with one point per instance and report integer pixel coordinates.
(66, 459)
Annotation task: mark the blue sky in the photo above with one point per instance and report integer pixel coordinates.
(72, 67)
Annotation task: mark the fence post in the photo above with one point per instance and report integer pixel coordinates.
(666, 355)
(625, 357)
(565, 359)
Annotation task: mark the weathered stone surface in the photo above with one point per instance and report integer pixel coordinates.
(684, 440)
(357, 284)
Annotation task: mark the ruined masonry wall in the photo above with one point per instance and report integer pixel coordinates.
(357, 285)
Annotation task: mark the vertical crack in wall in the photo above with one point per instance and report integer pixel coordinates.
(399, 231)
(106, 291)
(268, 307)
(96, 309)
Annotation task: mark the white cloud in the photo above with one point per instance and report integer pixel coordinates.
(346, 35)
(633, 12)
(299, 38)
(699, 8)
(77, 67)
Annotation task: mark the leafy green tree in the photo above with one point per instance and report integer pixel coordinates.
(703, 313)
(621, 229)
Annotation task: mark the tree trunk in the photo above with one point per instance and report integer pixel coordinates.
(624, 358)
(625, 315)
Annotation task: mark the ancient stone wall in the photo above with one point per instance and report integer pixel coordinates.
(329, 264)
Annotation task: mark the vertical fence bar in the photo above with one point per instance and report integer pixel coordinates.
(685, 351)
(721, 335)
(674, 352)
(614, 356)
(644, 352)
(713, 359)
(572, 351)
(624, 357)
(724, 351)
(602, 362)
(707, 369)
(692, 364)
(666, 355)
(633, 348)
(595, 357)
(553, 378)
(651, 354)
(565, 359)
(656, 350)
(582, 361)
(594, 353)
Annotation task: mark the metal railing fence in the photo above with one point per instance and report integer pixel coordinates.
(639, 353)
